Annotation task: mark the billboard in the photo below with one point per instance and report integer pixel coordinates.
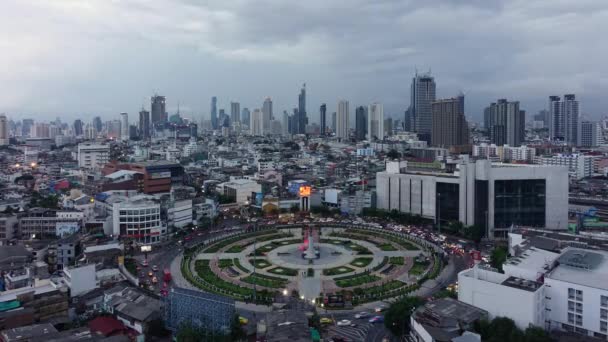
(305, 191)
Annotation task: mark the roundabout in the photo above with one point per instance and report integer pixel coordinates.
(341, 265)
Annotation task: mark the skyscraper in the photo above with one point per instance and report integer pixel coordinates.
(388, 127)
(407, 122)
(422, 95)
(144, 124)
(375, 122)
(450, 127)
(245, 116)
(78, 127)
(4, 139)
(302, 118)
(590, 134)
(360, 123)
(564, 119)
(159, 113)
(266, 114)
(323, 118)
(506, 123)
(214, 123)
(97, 124)
(285, 124)
(257, 123)
(570, 109)
(334, 123)
(124, 126)
(342, 120)
(235, 113)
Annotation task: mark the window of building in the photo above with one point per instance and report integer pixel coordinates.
(578, 319)
(571, 293)
(604, 301)
(570, 305)
(579, 307)
(604, 313)
(570, 318)
(519, 202)
(579, 295)
(603, 326)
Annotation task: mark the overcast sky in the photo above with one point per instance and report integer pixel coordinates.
(84, 58)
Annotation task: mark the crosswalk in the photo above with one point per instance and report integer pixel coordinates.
(355, 334)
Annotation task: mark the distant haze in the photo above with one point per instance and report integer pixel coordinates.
(77, 59)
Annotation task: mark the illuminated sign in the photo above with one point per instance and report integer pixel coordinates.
(305, 191)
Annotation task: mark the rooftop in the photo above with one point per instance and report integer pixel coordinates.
(522, 284)
(28, 332)
(583, 267)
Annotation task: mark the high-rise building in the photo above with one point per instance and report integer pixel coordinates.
(302, 118)
(214, 121)
(235, 112)
(4, 139)
(542, 116)
(223, 119)
(506, 123)
(257, 123)
(450, 128)
(342, 120)
(78, 127)
(590, 134)
(267, 114)
(285, 125)
(97, 125)
(124, 126)
(388, 127)
(334, 122)
(360, 123)
(570, 109)
(144, 124)
(26, 127)
(375, 122)
(323, 118)
(159, 113)
(245, 116)
(407, 121)
(422, 95)
(564, 119)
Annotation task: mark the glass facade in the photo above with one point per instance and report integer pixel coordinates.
(519, 202)
(448, 198)
(481, 203)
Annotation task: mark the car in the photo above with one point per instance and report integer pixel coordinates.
(154, 280)
(243, 320)
(376, 319)
(344, 323)
(326, 320)
(150, 274)
(144, 263)
(361, 314)
(155, 268)
(379, 309)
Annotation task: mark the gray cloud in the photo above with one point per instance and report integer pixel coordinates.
(74, 58)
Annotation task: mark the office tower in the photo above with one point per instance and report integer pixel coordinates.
(557, 122)
(159, 113)
(235, 112)
(144, 124)
(375, 122)
(267, 114)
(113, 129)
(334, 123)
(302, 118)
(542, 116)
(245, 116)
(506, 123)
(286, 124)
(223, 119)
(40, 130)
(388, 127)
(124, 126)
(26, 127)
(450, 127)
(78, 127)
(97, 125)
(591, 134)
(323, 118)
(570, 110)
(4, 139)
(214, 122)
(407, 121)
(342, 120)
(422, 95)
(257, 123)
(360, 123)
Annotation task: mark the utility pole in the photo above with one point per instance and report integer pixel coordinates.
(439, 212)
(254, 261)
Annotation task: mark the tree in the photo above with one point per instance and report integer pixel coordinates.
(189, 333)
(498, 257)
(475, 233)
(503, 329)
(536, 334)
(397, 317)
(393, 154)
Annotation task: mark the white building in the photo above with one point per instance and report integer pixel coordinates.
(375, 122)
(342, 118)
(475, 193)
(92, 156)
(256, 122)
(80, 280)
(124, 126)
(180, 213)
(138, 218)
(3, 130)
(579, 165)
(240, 189)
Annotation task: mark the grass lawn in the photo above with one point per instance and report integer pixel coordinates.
(387, 247)
(284, 271)
(357, 280)
(361, 262)
(204, 272)
(235, 249)
(259, 263)
(266, 281)
(418, 268)
(399, 261)
(337, 270)
(238, 265)
(223, 263)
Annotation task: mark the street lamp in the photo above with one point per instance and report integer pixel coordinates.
(284, 292)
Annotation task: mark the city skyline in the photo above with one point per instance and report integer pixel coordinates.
(187, 47)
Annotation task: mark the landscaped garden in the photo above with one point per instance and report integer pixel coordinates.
(266, 281)
(362, 262)
(259, 263)
(283, 271)
(337, 270)
(356, 280)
